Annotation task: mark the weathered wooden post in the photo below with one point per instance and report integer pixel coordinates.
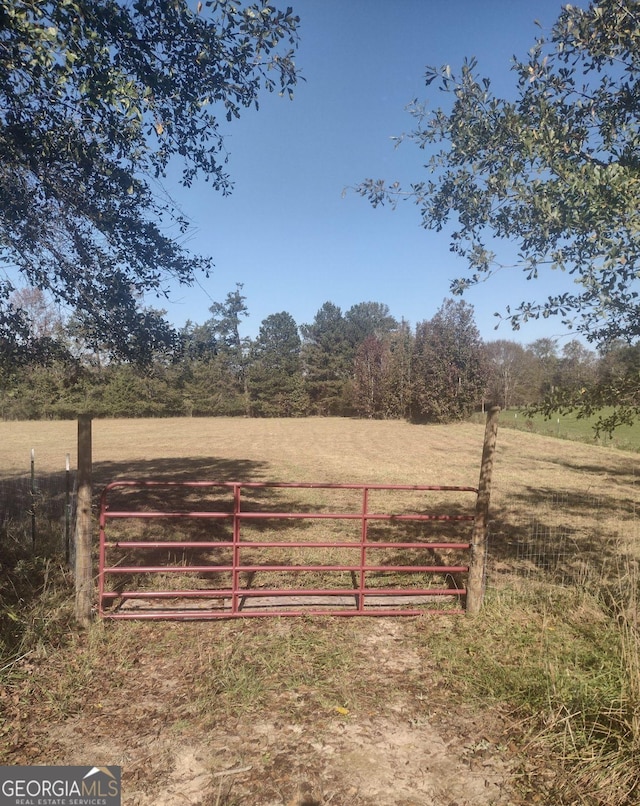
(67, 510)
(83, 568)
(475, 585)
(33, 498)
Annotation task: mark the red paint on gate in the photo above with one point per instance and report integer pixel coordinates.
(239, 599)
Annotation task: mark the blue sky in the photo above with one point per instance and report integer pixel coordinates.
(289, 234)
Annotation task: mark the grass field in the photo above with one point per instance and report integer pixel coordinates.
(570, 426)
(590, 493)
(548, 673)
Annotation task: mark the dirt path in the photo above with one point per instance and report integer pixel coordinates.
(404, 748)
(363, 761)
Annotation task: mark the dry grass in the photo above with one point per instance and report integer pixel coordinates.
(276, 450)
(554, 503)
(592, 491)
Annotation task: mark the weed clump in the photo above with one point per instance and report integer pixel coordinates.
(35, 595)
(566, 664)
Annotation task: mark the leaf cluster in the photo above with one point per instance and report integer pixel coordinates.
(96, 99)
(553, 169)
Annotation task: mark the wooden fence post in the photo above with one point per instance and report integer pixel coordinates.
(33, 499)
(67, 510)
(475, 585)
(83, 567)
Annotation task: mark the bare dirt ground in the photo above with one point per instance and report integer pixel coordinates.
(407, 747)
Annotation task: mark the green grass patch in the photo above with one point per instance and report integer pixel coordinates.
(566, 666)
(305, 665)
(570, 426)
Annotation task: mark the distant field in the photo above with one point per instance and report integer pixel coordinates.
(589, 492)
(569, 426)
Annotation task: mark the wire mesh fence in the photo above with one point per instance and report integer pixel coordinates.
(546, 551)
(570, 538)
(38, 508)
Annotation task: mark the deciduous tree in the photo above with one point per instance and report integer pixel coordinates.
(217, 350)
(617, 379)
(510, 374)
(449, 372)
(552, 168)
(97, 98)
(371, 368)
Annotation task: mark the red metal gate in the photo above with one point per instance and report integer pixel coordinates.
(206, 550)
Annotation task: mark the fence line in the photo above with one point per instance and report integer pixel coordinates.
(550, 548)
(32, 502)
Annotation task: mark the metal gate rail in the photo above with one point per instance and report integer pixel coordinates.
(239, 599)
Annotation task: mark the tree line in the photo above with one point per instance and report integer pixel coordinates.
(361, 362)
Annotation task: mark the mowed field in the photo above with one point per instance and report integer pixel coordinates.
(330, 449)
(589, 491)
(315, 711)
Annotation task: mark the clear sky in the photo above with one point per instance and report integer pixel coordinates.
(289, 234)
